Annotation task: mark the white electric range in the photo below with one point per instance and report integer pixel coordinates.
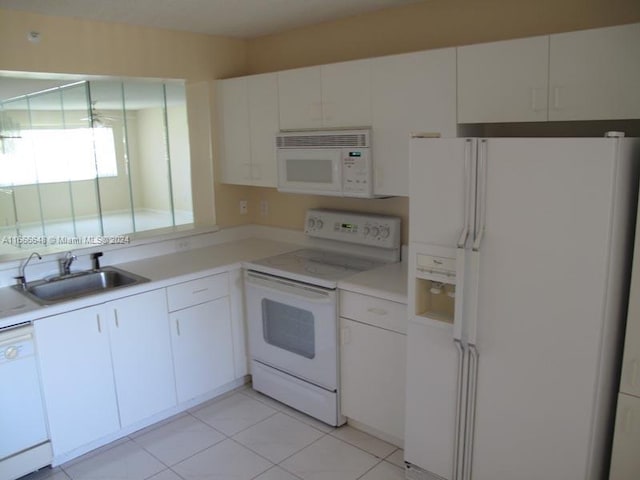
(292, 307)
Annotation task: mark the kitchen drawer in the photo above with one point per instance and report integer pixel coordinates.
(374, 311)
(198, 291)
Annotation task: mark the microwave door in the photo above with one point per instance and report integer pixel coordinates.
(314, 171)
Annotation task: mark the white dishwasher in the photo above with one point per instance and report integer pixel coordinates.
(24, 445)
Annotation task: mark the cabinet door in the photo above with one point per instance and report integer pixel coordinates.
(77, 378)
(263, 127)
(346, 94)
(372, 357)
(415, 92)
(594, 74)
(630, 377)
(141, 353)
(202, 348)
(238, 324)
(299, 98)
(625, 461)
(503, 81)
(432, 389)
(233, 126)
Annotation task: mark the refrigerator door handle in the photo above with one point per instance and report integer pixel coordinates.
(458, 450)
(481, 194)
(464, 234)
(471, 411)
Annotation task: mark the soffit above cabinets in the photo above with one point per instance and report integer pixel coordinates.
(234, 18)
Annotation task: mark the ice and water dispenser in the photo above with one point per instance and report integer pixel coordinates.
(435, 283)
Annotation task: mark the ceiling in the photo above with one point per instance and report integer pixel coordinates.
(234, 18)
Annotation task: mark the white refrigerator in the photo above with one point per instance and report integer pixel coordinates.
(518, 280)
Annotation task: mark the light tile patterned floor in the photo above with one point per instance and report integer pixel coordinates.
(243, 436)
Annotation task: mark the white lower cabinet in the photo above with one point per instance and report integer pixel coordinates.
(141, 353)
(77, 378)
(202, 348)
(105, 368)
(201, 336)
(120, 365)
(372, 366)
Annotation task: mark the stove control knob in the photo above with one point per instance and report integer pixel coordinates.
(366, 231)
(319, 224)
(311, 223)
(374, 231)
(384, 232)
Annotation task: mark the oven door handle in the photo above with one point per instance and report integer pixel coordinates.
(280, 285)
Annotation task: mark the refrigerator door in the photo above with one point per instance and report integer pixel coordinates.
(441, 188)
(442, 219)
(432, 389)
(544, 265)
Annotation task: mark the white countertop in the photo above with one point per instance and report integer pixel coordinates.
(388, 282)
(162, 270)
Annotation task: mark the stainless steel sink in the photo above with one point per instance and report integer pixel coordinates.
(81, 284)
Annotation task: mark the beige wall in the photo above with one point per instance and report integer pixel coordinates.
(72, 45)
(426, 25)
(432, 24)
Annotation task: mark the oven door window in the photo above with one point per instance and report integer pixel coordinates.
(289, 328)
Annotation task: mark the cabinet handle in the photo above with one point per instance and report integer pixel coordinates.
(98, 322)
(534, 99)
(377, 311)
(202, 290)
(346, 335)
(556, 98)
(628, 421)
(178, 326)
(115, 314)
(634, 372)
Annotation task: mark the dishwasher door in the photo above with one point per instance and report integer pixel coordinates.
(22, 420)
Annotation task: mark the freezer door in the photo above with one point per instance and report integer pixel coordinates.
(441, 188)
(544, 268)
(432, 389)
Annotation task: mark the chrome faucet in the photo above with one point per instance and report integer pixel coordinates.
(66, 263)
(22, 280)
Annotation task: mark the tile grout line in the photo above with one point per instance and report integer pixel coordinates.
(335, 429)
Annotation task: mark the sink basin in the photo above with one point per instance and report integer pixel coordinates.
(81, 284)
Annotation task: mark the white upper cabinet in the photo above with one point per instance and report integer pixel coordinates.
(263, 127)
(233, 124)
(300, 98)
(248, 123)
(330, 96)
(346, 94)
(595, 74)
(503, 81)
(410, 93)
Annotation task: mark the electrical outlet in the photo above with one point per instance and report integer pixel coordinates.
(244, 209)
(183, 244)
(264, 208)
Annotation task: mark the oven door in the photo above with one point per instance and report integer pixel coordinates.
(293, 328)
(310, 170)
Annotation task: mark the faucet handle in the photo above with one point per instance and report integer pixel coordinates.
(95, 258)
(21, 280)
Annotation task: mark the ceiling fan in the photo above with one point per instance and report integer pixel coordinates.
(99, 118)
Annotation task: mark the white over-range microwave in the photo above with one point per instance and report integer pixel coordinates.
(326, 163)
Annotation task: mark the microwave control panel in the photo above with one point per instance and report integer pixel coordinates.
(356, 172)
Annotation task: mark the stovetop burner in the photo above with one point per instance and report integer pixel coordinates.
(314, 266)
